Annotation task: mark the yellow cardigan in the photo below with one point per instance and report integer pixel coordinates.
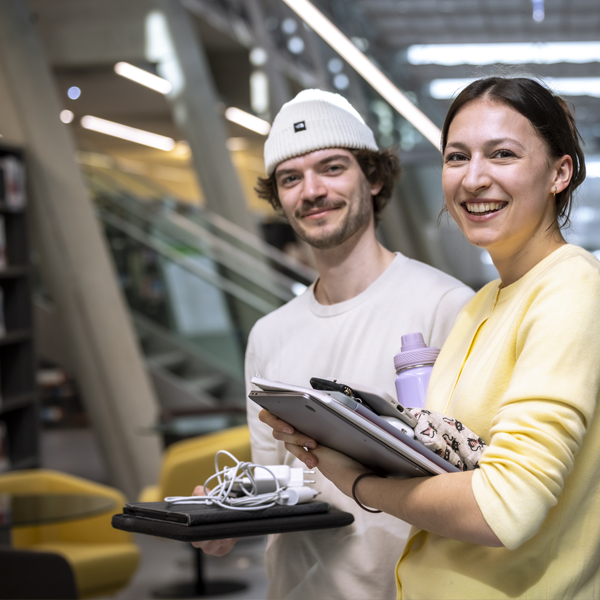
(522, 369)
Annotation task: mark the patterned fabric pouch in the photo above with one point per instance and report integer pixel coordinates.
(448, 438)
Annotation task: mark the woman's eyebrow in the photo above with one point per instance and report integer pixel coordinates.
(487, 144)
(503, 140)
(457, 145)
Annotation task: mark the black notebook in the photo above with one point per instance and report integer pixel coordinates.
(279, 519)
(202, 514)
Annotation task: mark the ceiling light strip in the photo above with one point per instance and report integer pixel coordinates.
(541, 53)
(364, 67)
(125, 132)
(443, 89)
(241, 117)
(143, 77)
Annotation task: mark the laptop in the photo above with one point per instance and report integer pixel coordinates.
(335, 424)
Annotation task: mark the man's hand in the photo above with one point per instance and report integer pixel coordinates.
(295, 442)
(213, 547)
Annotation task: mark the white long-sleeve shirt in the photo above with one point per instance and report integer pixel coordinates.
(354, 340)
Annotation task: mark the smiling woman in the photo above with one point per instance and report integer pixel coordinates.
(499, 181)
(552, 121)
(521, 368)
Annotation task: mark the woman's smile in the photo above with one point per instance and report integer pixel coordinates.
(498, 181)
(483, 208)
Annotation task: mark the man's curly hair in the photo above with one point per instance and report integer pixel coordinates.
(382, 166)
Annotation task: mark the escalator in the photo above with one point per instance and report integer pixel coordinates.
(195, 285)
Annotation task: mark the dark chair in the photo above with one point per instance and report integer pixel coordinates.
(25, 574)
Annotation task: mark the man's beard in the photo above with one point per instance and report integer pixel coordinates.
(353, 223)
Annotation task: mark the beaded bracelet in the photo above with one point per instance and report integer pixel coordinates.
(361, 476)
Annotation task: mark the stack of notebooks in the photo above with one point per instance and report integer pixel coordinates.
(199, 522)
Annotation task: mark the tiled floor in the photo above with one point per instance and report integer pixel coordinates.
(164, 562)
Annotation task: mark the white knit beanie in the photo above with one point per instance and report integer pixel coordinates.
(315, 120)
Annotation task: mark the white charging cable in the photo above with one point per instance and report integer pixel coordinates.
(241, 488)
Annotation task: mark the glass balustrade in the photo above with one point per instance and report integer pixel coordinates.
(198, 277)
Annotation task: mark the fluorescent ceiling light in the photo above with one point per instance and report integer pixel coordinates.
(128, 133)
(241, 117)
(592, 168)
(508, 54)
(259, 92)
(364, 67)
(143, 77)
(575, 86)
(442, 89)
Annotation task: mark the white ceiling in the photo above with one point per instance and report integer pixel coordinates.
(404, 22)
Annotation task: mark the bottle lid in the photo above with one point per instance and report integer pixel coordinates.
(414, 352)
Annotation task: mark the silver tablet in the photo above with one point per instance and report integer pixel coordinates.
(331, 423)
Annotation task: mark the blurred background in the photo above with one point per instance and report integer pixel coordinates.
(135, 255)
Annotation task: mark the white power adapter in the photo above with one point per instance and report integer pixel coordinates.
(296, 495)
(286, 477)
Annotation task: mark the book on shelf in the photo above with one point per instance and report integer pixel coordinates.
(3, 253)
(14, 189)
(4, 457)
(2, 186)
(2, 319)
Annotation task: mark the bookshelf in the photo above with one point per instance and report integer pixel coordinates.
(19, 401)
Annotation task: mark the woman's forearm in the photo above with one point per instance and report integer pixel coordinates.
(444, 505)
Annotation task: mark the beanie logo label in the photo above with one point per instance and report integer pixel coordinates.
(300, 126)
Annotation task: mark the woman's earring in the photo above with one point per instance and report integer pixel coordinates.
(554, 192)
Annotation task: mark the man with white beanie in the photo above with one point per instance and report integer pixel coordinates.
(328, 177)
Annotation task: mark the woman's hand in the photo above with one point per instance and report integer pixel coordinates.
(416, 501)
(296, 443)
(338, 468)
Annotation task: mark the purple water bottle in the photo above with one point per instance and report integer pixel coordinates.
(414, 364)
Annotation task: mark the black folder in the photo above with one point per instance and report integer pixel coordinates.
(196, 523)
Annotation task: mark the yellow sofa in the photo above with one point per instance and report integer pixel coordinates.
(191, 462)
(103, 559)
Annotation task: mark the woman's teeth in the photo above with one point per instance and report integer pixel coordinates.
(483, 207)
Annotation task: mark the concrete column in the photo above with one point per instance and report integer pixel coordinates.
(396, 230)
(175, 45)
(279, 87)
(318, 58)
(76, 263)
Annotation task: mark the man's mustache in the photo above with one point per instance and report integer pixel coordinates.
(317, 205)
